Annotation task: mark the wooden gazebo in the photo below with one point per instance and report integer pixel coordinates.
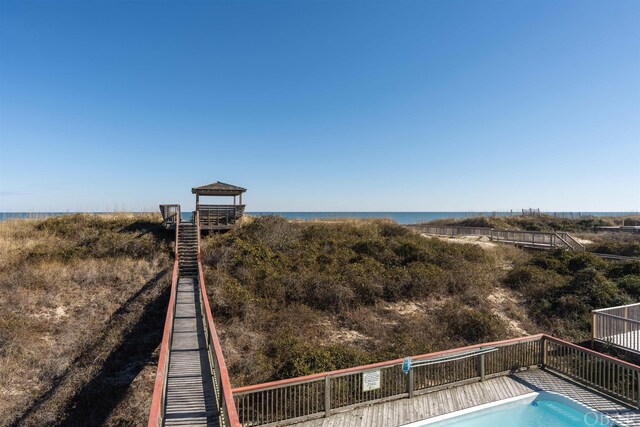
(212, 217)
(219, 217)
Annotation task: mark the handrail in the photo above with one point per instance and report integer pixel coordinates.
(611, 359)
(168, 218)
(567, 244)
(576, 246)
(548, 237)
(620, 318)
(384, 364)
(313, 396)
(600, 310)
(222, 384)
(614, 377)
(156, 413)
(454, 357)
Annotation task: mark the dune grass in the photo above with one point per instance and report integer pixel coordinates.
(70, 288)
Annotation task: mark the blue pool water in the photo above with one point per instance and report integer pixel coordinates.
(546, 410)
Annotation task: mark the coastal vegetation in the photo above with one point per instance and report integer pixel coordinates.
(295, 298)
(82, 299)
(542, 222)
(584, 227)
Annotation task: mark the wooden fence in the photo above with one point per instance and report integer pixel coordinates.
(315, 396)
(619, 326)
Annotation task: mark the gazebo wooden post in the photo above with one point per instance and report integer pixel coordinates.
(234, 209)
(197, 204)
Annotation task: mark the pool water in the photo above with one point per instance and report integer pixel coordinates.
(534, 410)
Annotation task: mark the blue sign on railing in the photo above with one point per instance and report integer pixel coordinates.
(406, 365)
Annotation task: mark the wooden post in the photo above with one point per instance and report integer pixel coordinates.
(593, 330)
(410, 385)
(626, 316)
(481, 370)
(327, 396)
(638, 391)
(544, 350)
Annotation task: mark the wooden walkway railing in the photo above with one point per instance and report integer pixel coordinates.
(315, 396)
(619, 326)
(170, 215)
(541, 239)
(219, 401)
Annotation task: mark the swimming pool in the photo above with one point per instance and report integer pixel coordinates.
(543, 409)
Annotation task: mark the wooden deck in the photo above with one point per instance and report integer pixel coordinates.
(404, 411)
(190, 398)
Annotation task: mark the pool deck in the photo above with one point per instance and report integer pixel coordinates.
(421, 407)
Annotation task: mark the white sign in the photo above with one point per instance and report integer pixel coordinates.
(370, 380)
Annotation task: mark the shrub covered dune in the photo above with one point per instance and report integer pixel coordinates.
(295, 298)
(82, 300)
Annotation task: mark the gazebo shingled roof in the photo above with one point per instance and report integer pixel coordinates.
(218, 189)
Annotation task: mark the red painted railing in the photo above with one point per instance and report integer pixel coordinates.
(219, 373)
(300, 399)
(384, 364)
(157, 402)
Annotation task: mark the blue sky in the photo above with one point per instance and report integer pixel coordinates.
(321, 105)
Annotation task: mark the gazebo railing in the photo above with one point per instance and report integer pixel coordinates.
(212, 216)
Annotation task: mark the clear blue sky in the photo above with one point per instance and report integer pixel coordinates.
(321, 105)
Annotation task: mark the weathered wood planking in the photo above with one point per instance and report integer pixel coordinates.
(190, 399)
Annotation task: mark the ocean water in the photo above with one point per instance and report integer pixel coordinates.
(399, 217)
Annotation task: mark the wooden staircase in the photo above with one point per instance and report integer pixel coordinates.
(188, 249)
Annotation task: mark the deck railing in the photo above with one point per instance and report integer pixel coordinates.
(619, 326)
(228, 415)
(550, 239)
(606, 374)
(314, 396)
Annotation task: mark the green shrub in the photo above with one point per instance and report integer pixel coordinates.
(297, 357)
(471, 325)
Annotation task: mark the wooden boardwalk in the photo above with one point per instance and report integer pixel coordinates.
(421, 407)
(190, 399)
